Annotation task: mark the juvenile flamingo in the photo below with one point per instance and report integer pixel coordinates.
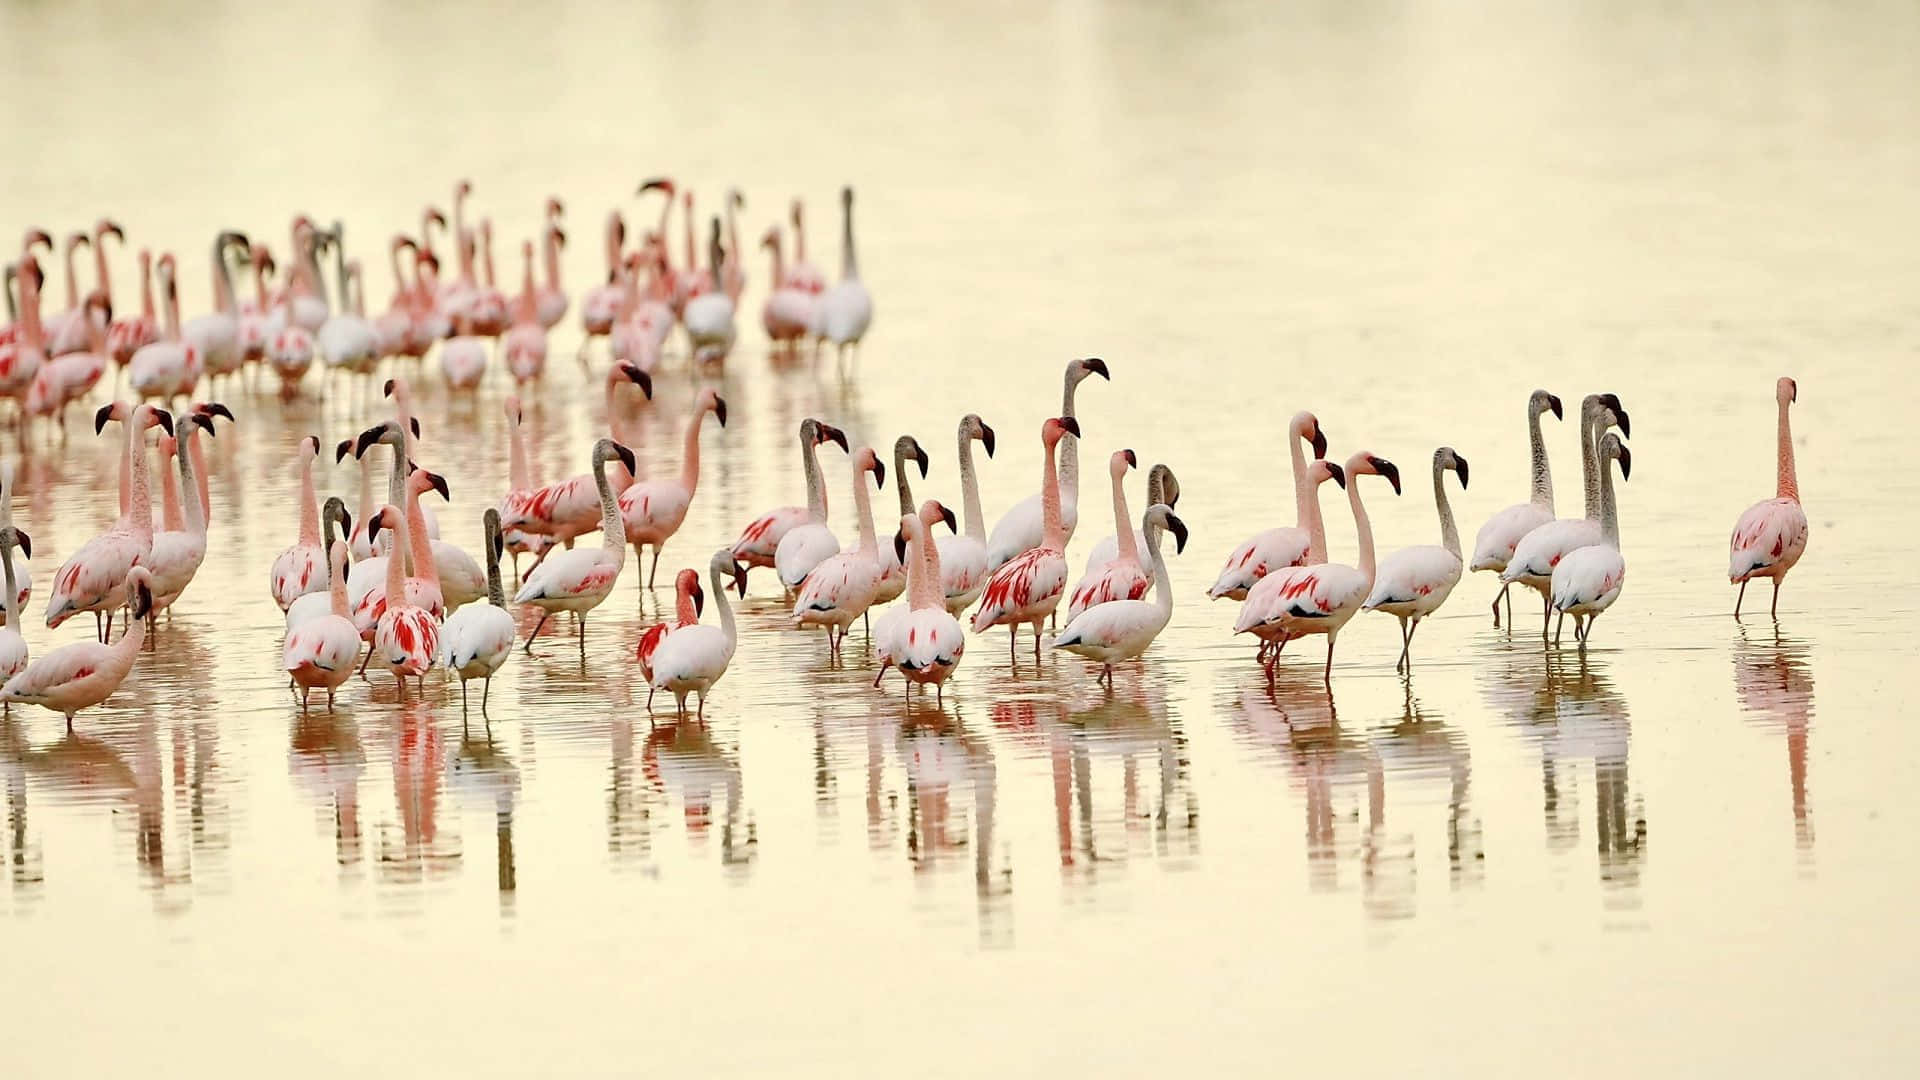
(1413, 582)
(478, 638)
(335, 521)
(1027, 588)
(84, 674)
(840, 588)
(1020, 528)
(1118, 630)
(1272, 549)
(1321, 599)
(21, 586)
(688, 603)
(1494, 544)
(1123, 578)
(651, 511)
(95, 577)
(760, 542)
(1588, 580)
(1535, 556)
(320, 651)
(579, 579)
(846, 310)
(407, 636)
(301, 568)
(963, 557)
(922, 638)
(693, 658)
(1771, 536)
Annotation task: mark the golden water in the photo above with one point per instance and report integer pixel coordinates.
(1689, 851)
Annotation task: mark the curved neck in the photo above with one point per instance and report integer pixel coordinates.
(1609, 510)
(849, 265)
(103, 275)
(146, 288)
(1542, 476)
(397, 479)
(199, 457)
(1449, 533)
(816, 491)
(171, 518)
(127, 649)
(1128, 548)
(863, 506)
(140, 509)
(925, 590)
(613, 530)
(690, 460)
(1362, 526)
(779, 264)
(720, 601)
(1069, 445)
(337, 580)
(496, 595)
(173, 310)
(1590, 460)
(552, 258)
(73, 280)
(1162, 580)
(1053, 532)
(900, 481)
(1316, 526)
(1306, 500)
(970, 491)
(196, 512)
(396, 563)
(1789, 483)
(418, 542)
(31, 332)
(126, 469)
(222, 278)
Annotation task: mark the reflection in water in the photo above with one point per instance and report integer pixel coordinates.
(1573, 712)
(1774, 683)
(326, 759)
(683, 761)
(483, 772)
(423, 851)
(1129, 724)
(940, 757)
(629, 814)
(1418, 749)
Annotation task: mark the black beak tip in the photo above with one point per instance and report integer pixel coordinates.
(203, 420)
(367, 438)
(720, 410)
(440, 485)
(1179, 533)
(626, 457)
(1626, 426)
(1098, 367)
(341, 451)
(840, 437)
(879, 473)
(699, 601)
(1460, 466)
(740, 579)
(1133, 460)
(1071, 425)
(920, 459)
(164, 419)
(900, 547)
(25, 542)
(100, 417)
(1626, 464)
(1319, 442)
(986, 438)
(1553, 402)
(947, 515)
(387, 390)
(1339, 475)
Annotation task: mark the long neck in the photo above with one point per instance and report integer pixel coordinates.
(196, 511)
(403, 412)
(222, 278)
(340, 271)
(1306, 500)
(397, 479)
(397, 565)
(418, 541)
(1128, 547)
(863, 506)
(146, 287)
(366, 490)
(970, 491)
(102, 273)
(1053, 532)
(126, 469)
(1789, 483)
(816, 491)
(900, 481)
(73, 280)
(1316, 526)
(849, 265)
(140, 509)
(1590, 461)
(1449, 533)
(337, 582)
(173, 310)
(171, 518)
(496, 595)
(516, 457)
(1542, 476)
(1364, 528)
(199, 456)
(31, 332)
(720, 601)
(309, 502)
(127, 649)
(552, 258)
(1069, 445)
(690, 459)
(7, 602)
(779, 265)
(613, 530)
(925, 590)
(1162, 581)
(1609, 510)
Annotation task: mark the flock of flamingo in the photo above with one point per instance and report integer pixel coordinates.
(378, 585)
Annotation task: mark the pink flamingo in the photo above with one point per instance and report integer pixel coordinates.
(600, 305)
(394, 326)
(179, 550)
(1027, 588)
(1535, 556)
(65, 329)
(689, 603)
(578, 580)
(1770, 536)
(801, 274)
(653, 510)
(526, 343)
(488, 310)
(566, 509)
(130, 334)
(168, 368)
(251, 335)
(407, 636)
(1122, 629)
(1413, 582)
(1494, 544)
(1019, 528)
(1267, 551)
(551, 305)
(840, 589)
(66, 378)
(1321, 599)
(520, 486)
(893, 571)
(85, 673)
(300, 569)
(1123, 578)
(922, 638)
(1272, 639)
(22, 358)
(215, 336)
(1588, 580)
(787, 311)
(319, 653)
(692, 281)
(94, 578)
(760, 541)
(694, 658)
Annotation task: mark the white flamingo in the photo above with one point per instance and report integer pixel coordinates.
(1020, 528)
(893, 571)
(845, 311)
(963, 557)
(1537, 553)
(215, 337)
(652, 511)
(788, 310)
(693, 658)
(1494, 544)
(579, 579)
(335, 521)
(178, 552)
(1122, 577)
(921, 636)
(477, 639)
(85, 673)
(1588, 580)
(551, 304)
(14, 653)
(1027, 588)
(840, 588)
(1119, 630)
(689, 601)
(167, 368)
(320, 651)
(1770, 536)
(21, 589)
(793, 539)
(1272, 549)
(301, 568)
(708, 317)
(1162, 488)
(1413, 582)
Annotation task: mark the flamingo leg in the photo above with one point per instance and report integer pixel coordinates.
(582, 620)
(1036, 643)
(650, 691)
(882, 674)
(528, 648)
(1406, 642)
(364, 661)
(329, 700)
(463, 697)
(1740, 597)
(1586, 632)
(655, 568)
(940, 695)
(1773, 609)
(1327, 675)
(1013, 646)
(1557, 624)
(1497, 597)
(701, 713)
(485, 689)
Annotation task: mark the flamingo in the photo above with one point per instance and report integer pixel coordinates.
(394, 327)
(708, 315)
(1320, 598)
(306, 293)
(1588, 580)
(478, 638)
(407, 636)
(1273, 549)
(1027, 588)
(307, 606)
(300, 569)
(21, 358)
(840, 588)
(565, 510)
(759, 542)
(1534, 557)
(693, 658)
(180, 549)
(801, 274)
(488, 309)
(94, 578)
(733, 274)
(921, 637)
(13, 645)
(651, 511)
(1770, 536)
(20, 586)
(128, 335)
(320, 651)
(250, 328)
(526, 343)
(348, 341)
(1019, 529)
(550, 305)
(443, 577)
(691, 281)
(963, 557)
(103, 284)
(846, 310)
(431, 321)
(787, 311)
(1122, 578)
(802, 545)
(578, 580)
(85, 673)
(1413, 582)
(521, 486)
(463, 358)
(1122, 629)
(1494, 544)
(1162, 487)
(65, 329)
(456, 296)
(289, 345)
(70, 376)
(893, 570)
(688, 602)
(215, 336)
(600, 305)
(167, 368)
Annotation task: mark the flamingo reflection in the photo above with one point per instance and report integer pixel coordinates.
(484, 773)
(1774, 682)
(1130, 725)
(326, 759)
(683, 760)
(423, 850)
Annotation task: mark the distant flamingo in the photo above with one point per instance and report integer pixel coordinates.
(128, 335)
(487, 310)
(708, 316)
(407, 636)
(1123, 578)
(732, 271)
(787, 311)
(1588, 580)
(921, 637)
(22, 358)
(693, 281)
(805, 543)
(94, 578)
(578, 580)
(72, 375)
(321, 650)
(600, 305)
(1413, 582)
(550, 306)
(963, 557)
(801, 274)
(1770, 536)
(520, 486)
(693, 658)
(167, 368)
(251, 327)
(689, 601)
(1273, 549)
(846, 310)
(840, 588)
(1494, 544)
(394, 326)
(1020, 528)
(1027, 588)
(653, 510)
(1537, 553)
(348, 341)
(526, 341)
(215, 337)
(478, 638)
(85, 673)
(1122, 629)
(179, 550)
(64, 330)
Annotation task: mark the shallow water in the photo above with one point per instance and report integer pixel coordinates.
(1689, 849)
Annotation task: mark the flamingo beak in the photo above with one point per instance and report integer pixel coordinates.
(834, 434)
(953, 523)
(560, 236)
(626, 458)
(986, 438)
(1179, 533)
(1097, 366)
(440, 485)
(699, 600)
(1626, 428)
(204, 421)
(920, 459)
(367, 439)
(879, 473)
(900, 546)
(143, 601)
(1319, 441)
(1626, 463)
(346, 522)
(164, 419)
(1553, 402)
(1133, 460)
(214, 408)
(387, 390)
(638, 378)
(373, 525)
(25, 543)
(1071, 425)
(1460, 466)
(720, 409)
(740, 579)
(341, 451)
(101, 415)
(1339, 475)
(1387, 469)
(112, 229)
(414, 423)
(658, 183)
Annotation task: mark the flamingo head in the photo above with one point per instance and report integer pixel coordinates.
(1612, 448)
(387, 517)
(1323, 470)
(1121, 461)
(771, 238)
(934, 510)
(77, 239)
(148, 416)
(140, 591)
(1540, 401)
(868, 461)
(607, 448)
(36, 238)
(115, 410)
(513, 411)
(907, 448)
(638, 378)
(1448, 458)
(12, 537)
(559, 236)
(1610, 403)
(1092, 365)
(555, 208)
(106, 227)
(1364, 462)
(99, 300)
(826, 433)
(657, 183)
(1161, 515)
(1784, 391)
(972, 427)
(687, 583)
(201, 420)
(341, 450)
(334, 514)
(1058, 428)
(1307, 426)
(420, 481)
(310, 444)
(1161, 477)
